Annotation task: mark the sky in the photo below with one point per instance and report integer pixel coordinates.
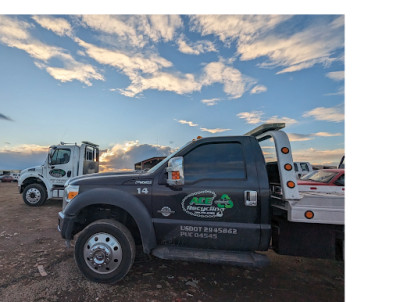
(144, 85)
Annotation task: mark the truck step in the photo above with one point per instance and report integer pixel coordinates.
(238, 258)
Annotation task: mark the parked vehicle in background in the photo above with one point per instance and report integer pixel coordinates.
(324, 180)
(7, 178)
(16, 176)
(37, 184)
(302, 168)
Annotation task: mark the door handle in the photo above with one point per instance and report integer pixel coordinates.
(250, 198)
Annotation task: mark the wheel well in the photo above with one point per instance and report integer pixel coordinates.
(32, 180)
(95, 212)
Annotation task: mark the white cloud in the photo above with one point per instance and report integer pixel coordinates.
(191, 124)
(211, 102)
(128, 64)
(258, 89)
(235, 27)
(315, 44)
(216, 130)
(195, 48)
(137, 30)
(12, 29)
(60, 26)
(80, 72)
(336, 75)
(148, 73)
(162, 81)
(14, 33)
(254, 38)
(124, 156)
(253, 117)
(326, 134)
(319, 157)
(287, 120)
(333, 114)
(235, 84)
(295, 137)
(165, 26)
(22, 156)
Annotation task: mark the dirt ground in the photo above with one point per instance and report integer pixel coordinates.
(35, 265)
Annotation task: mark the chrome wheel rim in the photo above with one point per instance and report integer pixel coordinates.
(102, 253)
(33, 195)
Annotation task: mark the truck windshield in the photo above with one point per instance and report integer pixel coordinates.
(322, 176)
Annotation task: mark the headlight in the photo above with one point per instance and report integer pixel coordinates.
(69, 193)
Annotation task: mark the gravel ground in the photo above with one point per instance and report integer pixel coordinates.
(35, 265)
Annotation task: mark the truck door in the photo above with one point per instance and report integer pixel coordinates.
(60, 166)
(210, 209)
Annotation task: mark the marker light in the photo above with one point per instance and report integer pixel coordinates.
(70, 192)
(176, 175)
(291, 184)
(309, 214)
(288, 167)
(71, 195)
(285, 150)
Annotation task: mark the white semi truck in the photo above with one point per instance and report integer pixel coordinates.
(64, 161)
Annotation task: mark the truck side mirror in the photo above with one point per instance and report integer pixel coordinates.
(50, 154)
(175, 171)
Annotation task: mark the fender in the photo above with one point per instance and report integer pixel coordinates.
(120, 199)
(25, 176)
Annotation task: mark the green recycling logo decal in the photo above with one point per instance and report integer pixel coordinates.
(57, 173)
(203, 204)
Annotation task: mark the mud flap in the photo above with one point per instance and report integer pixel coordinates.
(307, 239)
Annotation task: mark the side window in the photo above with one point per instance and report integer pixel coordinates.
(295, 167)
(304, 167)
(215, 161)
(89, 153)
(61, 156)
(340, 181)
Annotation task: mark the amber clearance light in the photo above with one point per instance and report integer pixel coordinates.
(309, 214)
(176, 175)
(72, 194)
(285, 150)
(291, 184)
(288, 167)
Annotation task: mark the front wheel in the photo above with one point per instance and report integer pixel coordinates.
(34, 195)
(105, 251)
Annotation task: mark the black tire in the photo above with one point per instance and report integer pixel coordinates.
(34, 195)
(105, 251)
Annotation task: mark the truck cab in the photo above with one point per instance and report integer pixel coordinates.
(64, 161)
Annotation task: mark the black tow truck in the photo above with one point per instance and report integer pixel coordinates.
(215, 200)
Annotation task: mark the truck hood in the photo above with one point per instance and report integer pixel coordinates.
(38, 169)
(105, 178)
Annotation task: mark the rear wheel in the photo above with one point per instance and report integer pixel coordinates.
(34, 195)
(105, 251)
